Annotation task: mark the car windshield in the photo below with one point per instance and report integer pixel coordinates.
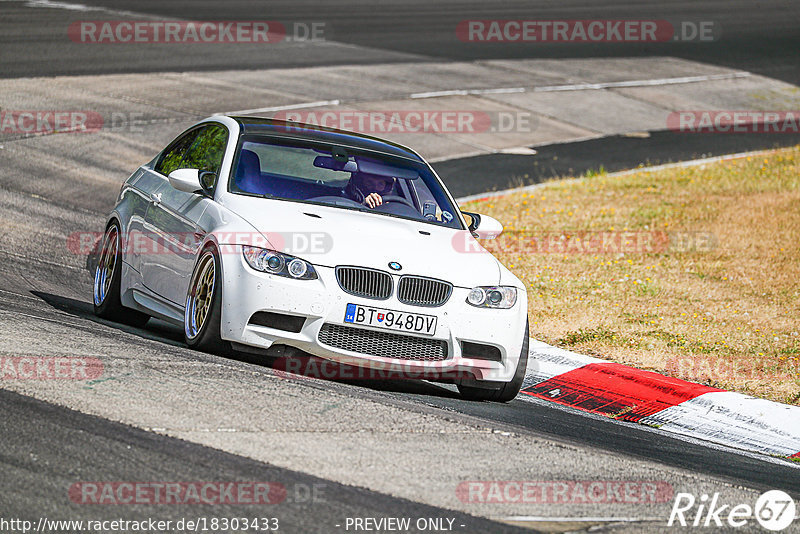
(341, 177)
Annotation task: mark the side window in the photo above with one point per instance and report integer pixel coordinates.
(172, 158)
(207, 151)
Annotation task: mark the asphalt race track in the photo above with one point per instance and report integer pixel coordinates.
(96, 449)
(372, 448)
(478, 174)
(760, 38)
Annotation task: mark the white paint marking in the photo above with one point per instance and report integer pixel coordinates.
(585, 86)
(56, 5)
(519, 151)
(301, 105)
(70, 6)
(457, 156)
(464, 92)
(641, 83)
(590, 519)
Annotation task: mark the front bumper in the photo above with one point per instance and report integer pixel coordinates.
(322, 301)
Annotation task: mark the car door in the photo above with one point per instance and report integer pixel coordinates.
(173, 217)
(149, 242)
(136, 197)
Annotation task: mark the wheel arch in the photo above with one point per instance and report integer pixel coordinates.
(210, 243)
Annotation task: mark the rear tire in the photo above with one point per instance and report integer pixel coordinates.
(107, 279)
(509, 390)
(203, 313)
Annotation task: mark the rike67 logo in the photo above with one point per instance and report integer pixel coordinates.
(774, 510)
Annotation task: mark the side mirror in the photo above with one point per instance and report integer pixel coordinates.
(483, 226)
(192, 180)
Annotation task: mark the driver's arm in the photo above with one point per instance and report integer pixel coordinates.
(373, 200)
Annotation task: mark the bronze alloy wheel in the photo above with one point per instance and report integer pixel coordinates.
(201, 296)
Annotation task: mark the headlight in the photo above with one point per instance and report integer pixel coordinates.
(502, 297)
(270, 261)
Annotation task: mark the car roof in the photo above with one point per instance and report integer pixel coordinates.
(322, 134)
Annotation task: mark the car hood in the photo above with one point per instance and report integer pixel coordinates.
(329, 236)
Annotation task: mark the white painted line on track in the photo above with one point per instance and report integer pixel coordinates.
(585, 86)
(508, 90)
(590, 519)
(640, 83)
(55, 5)
(465, 92)
(457, 156)
(300, 105)
(71, 6)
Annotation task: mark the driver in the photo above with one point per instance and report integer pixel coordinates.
(368, 189)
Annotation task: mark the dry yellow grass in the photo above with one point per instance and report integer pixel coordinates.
(715, 297)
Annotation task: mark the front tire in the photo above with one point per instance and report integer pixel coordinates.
(107, 280)
(203, 313)
(507, 391)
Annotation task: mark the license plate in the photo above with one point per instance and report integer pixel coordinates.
(390, 319)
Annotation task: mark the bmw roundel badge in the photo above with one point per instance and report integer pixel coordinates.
(395, 266)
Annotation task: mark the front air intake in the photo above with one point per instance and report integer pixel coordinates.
(479, 351)
(383, 344)
(278, 321)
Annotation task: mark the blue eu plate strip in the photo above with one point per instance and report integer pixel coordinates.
(350, 314)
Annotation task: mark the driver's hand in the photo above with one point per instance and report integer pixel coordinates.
(373, 200)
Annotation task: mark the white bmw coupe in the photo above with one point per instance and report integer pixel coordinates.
(263, 235)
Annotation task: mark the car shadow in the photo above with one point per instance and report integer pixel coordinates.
(287, 362)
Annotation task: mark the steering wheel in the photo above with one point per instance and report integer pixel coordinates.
(337, 201)
(399, 200)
